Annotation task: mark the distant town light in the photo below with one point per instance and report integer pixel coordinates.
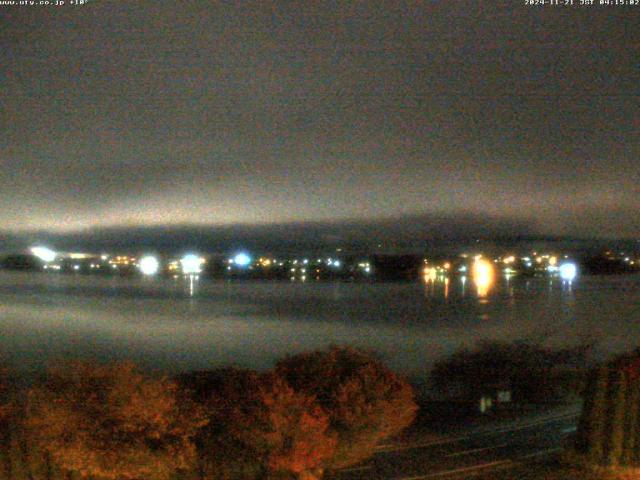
(242, 259)
(149, 265)
(568, 271)
(191, 264)
(430, 274)
(483, 276)
(43, 253)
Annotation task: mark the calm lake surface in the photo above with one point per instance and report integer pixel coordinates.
(172, 325)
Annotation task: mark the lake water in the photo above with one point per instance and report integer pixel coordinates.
(172, 325)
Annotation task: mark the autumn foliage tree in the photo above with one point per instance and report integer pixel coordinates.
(364, 400)
(112, 422)
(259, 427)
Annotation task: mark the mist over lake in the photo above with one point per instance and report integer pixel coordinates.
(173, 325)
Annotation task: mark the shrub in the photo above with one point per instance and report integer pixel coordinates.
(529, 370)
(365, 401)
(112, 422)
(259, 426)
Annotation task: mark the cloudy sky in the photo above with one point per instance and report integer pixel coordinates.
(146, 113)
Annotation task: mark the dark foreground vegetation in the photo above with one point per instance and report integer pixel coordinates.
(313, 412)
(529, 371)
(607, 443)
(609, 430)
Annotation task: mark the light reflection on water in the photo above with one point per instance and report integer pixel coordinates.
(180, 324)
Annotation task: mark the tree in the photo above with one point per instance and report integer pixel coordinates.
(609, 429)
(365, 401)
(112, 422)
(6, 410)
(259, 427)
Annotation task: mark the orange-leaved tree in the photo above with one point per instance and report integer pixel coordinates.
(366, 402)
(260, 427)
(112, 422)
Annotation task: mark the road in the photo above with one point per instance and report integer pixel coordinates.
(467, 452)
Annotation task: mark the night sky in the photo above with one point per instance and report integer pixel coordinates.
(147, 113)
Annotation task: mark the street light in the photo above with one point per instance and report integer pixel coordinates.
(568, 271)
(191, 264)
(242, 259)
(149, 265)
(43, 253)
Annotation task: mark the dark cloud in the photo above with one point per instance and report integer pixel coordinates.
(169, 113)
(415, 232)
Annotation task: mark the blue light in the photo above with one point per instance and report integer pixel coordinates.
(568, 271)
(242, 259)
(191, 264)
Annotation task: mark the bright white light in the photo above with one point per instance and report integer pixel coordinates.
(336, 263)
(76, 267)
(191, 264)
(149, 265)
(44, 253)
(568, 271)
(242, 259)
